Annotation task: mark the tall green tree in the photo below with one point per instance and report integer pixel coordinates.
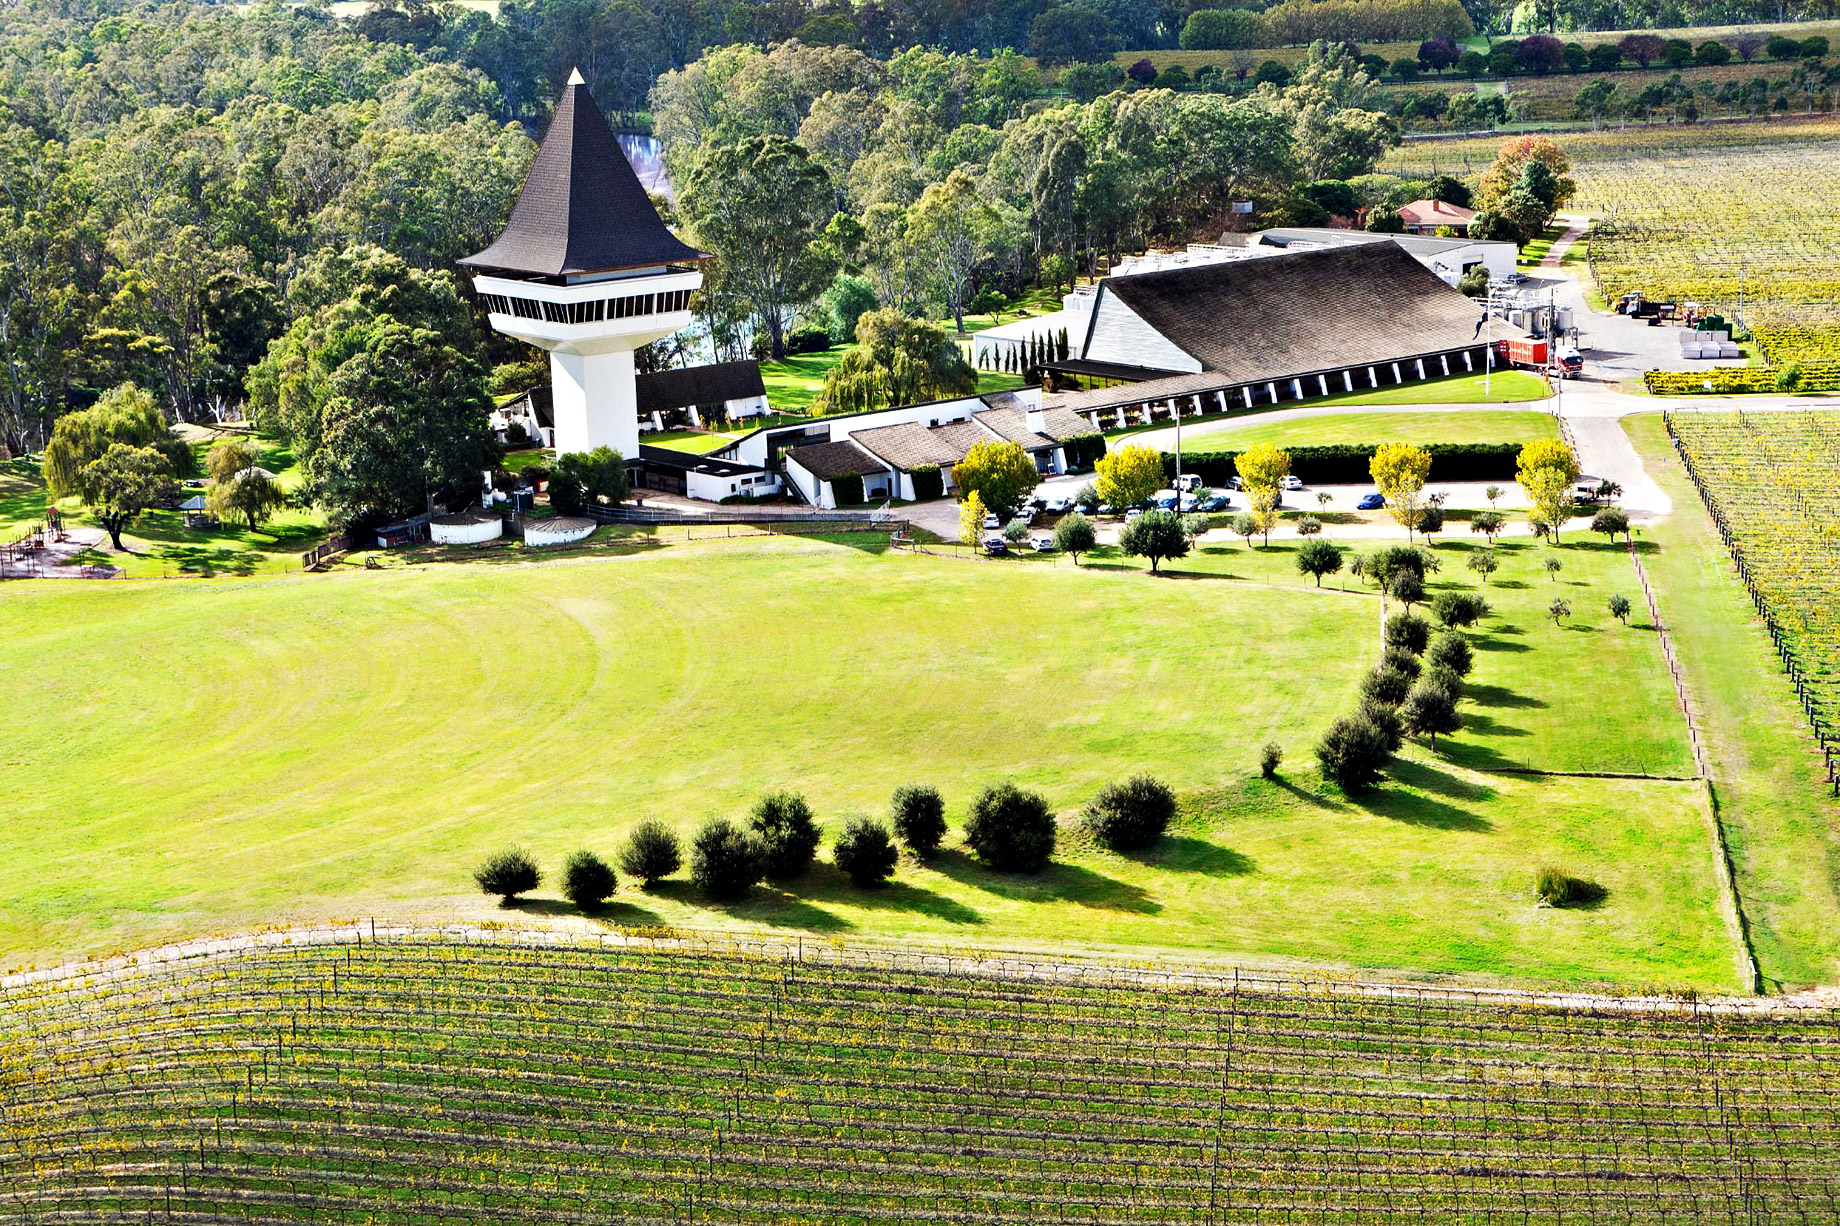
(999, 472)
(122, 483)
(762, 205)
(896, 360)
(125, 415)
(955, 228)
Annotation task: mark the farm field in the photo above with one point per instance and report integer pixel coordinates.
(1692, 213)
(1766, 771)
(1467, 426)
(1772, 482)
(408, 1078)
(297, 749)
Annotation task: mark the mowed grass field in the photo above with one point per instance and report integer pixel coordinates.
(194, 758)
(1469, 426)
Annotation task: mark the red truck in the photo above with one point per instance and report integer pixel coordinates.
(1525, 351)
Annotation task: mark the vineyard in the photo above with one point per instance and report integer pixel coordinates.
(1702, 214)
(1771, 482)
(424, 1078)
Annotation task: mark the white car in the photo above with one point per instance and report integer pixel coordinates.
(1059, 506)
(992, 523)
(1293, 483)
(1132, 514)
(1042, 544)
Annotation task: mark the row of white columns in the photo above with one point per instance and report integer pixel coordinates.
(1148, 411)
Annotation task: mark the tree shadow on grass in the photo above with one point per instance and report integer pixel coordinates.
(1482, 725)
(827, 883)
(1430, 779)
(1182, 853)
(768, 903)
(1418, 810)
(207, 560)
(1490, 643)
(1060, 881)
(617, 911)
(1511, 584)
(1304, 794)
(1499, 696)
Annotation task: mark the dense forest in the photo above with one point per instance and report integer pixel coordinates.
(263, 204)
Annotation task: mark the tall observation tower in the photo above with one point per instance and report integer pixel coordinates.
(587, 270)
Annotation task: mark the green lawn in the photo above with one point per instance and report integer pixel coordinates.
(214, 756)
(697, 442)
(1783, 826)
(1503, 386)
(22, 498)
(794, 383)
(1483, 426)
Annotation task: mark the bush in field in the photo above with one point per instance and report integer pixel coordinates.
(587, 881)
(1317, 557)
(1452, 651)
(508, 874)
(1387, 685)
(865, 851)
(1409, 632)
(1353, 754)
(1011, 829)
(787, 833)
(1130, 814)
(1611, 521)
(1459, 608)
(1385, 717)
(919, 814)
(1269, 757)
(1400, 659)
(1430, 709)
(651, 853)
(1074, 535)
(725, 860)
(1557, 888)
(1619, 608)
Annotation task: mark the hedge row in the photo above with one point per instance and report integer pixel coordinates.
(1347, 463)
(928, 483)
(1083, 451)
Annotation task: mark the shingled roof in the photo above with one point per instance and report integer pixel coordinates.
(828, 461)
(1250, 321)
(713, 384)
(582, 209)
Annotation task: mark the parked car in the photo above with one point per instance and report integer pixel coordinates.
(1132, 514)
(1214, 502)
(1059, 506)
(1370, 502)
(1163, 499)
(1293, 483)
(1104, 508)
(995, 546)
(1186, 503)
(1042, 544)
(1190, 483)
(1234, 483)
(991, 523)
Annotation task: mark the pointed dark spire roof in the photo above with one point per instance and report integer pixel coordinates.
(582, 209)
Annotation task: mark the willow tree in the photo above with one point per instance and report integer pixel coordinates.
(896, 360)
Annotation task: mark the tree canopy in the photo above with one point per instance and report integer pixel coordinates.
(897, 359)
(1000, 473)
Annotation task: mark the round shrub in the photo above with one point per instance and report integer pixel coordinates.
(725, 860)
(1131, 814)
(1386, 685)
(651, 852)
(919, 817)
(1429, 710)
(1269, 757)
(508, 874)
(1011, 829)
(788, 835)
(865, 850)
(1408, 631)
(587, 881)
(1352, 754)
(1441, 677)
(1450, 650)
(1459, 608)
(1557, 888)
(1400, 659)
(1385, 717)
